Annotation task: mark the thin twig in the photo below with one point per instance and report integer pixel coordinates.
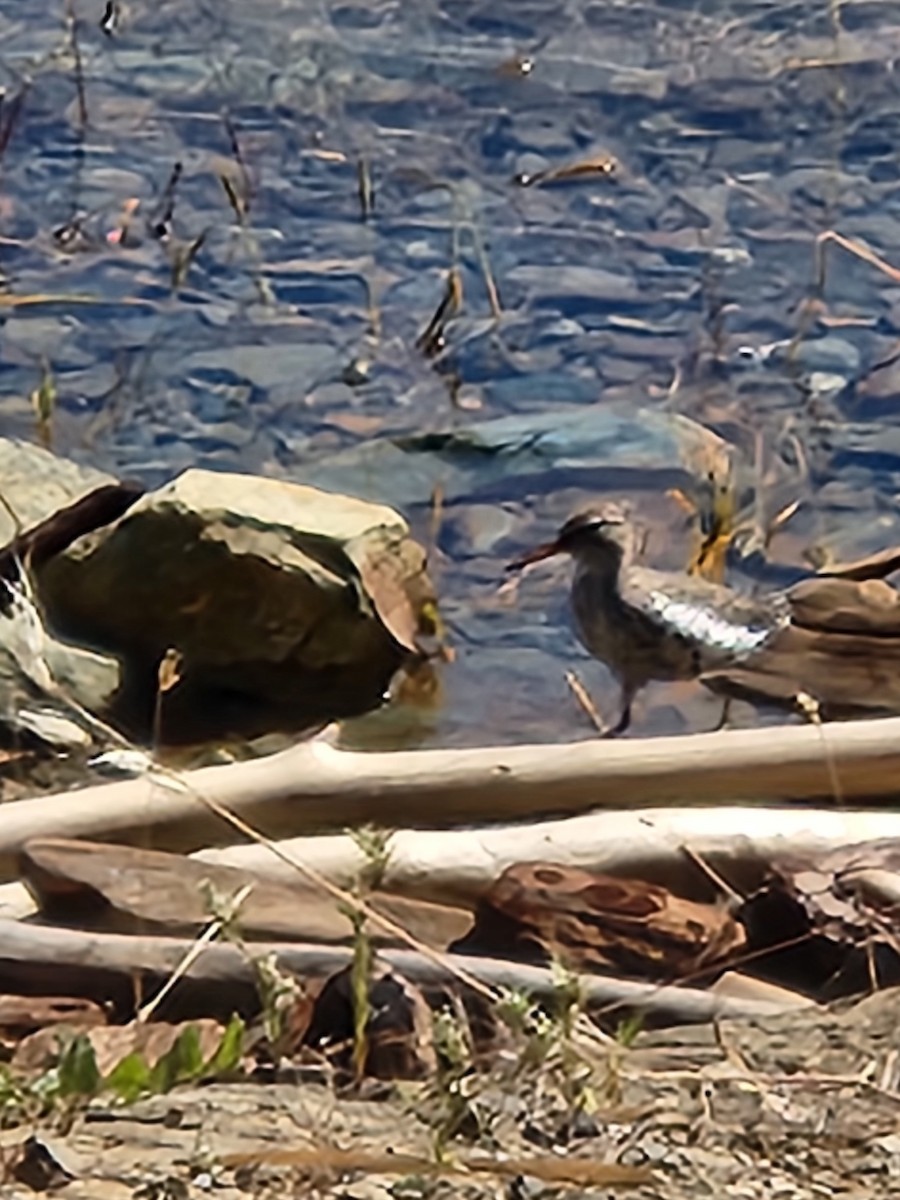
(197, 947)
(487, 274)
(365, 189)
(237, 155)
(809, 706)
(711, 873)
(853, 247)
(72, 30)
(10, 111)
(585, 700)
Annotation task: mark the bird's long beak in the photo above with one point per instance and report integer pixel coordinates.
(538, 554)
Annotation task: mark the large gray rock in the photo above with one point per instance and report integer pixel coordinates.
(36, 487)
(41, 675)
(277, 596)
(35, 484)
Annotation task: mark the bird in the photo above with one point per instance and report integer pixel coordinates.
(830, 640)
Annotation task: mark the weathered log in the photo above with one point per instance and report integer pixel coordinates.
(661, 845)
(38, 960)
(313, 786)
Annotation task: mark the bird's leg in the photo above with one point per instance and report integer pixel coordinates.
(726, 713)
(624, 715)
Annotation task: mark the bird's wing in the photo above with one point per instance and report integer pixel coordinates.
(724, 625)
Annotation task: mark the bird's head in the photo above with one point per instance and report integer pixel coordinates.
(603, 535)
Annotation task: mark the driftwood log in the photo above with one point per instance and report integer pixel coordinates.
(662, 845)
(113, 967)
(457, 867)
(314, 786)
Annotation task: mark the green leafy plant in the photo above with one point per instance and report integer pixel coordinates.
(374, 845)
(452, 1086)
(76, 1078)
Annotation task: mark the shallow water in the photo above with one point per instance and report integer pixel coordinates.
(685, 280)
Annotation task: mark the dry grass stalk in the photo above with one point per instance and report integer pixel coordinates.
(574, 1171)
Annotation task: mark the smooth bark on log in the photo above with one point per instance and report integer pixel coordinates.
(38, 959)
(313, 786)
(458, 866)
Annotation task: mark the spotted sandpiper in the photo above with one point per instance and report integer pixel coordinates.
(834, 639)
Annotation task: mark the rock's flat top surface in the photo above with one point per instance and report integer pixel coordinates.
(292, 509)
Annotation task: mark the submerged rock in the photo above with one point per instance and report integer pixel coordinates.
(286, 603)
(511, 457)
